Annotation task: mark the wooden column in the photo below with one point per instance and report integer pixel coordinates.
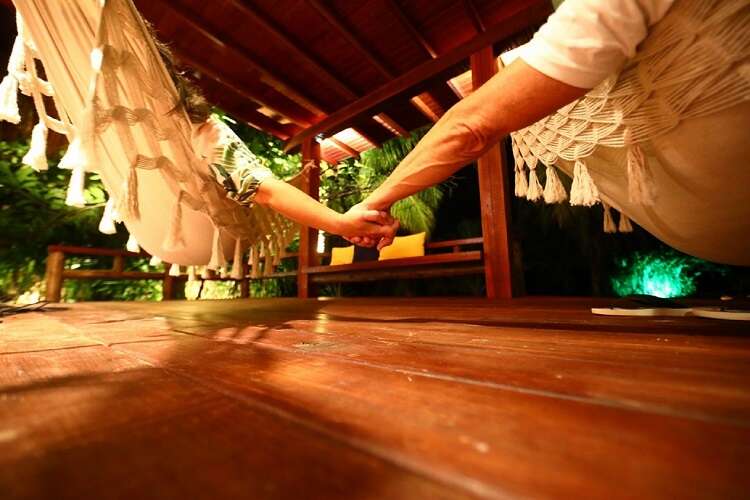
(54, 274)
(492, 194)
(245, 281)
(308, 236)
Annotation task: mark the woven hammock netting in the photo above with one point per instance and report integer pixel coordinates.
(113, 100)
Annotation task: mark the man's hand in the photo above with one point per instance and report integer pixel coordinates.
(375, 227)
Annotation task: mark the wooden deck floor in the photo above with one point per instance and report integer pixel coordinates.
(370, 399)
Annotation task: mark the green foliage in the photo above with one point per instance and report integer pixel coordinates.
(353, 180)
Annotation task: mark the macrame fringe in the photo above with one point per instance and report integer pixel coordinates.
(36, 157)
(74, 197)
(609, 222)
(534, 191)
(223, 272)
(554, 191)
(155, 261)
(205, 273)
(175, 239)
(237, 262)
(174, 270)
(9, 100)
(132, 245)
(192, 274)
(217, 252)
(107, 222)
(9, 86)
(583, 191)
(625, 225)
(640, 183)
(74, 156)
(131, 194)
(521, 186)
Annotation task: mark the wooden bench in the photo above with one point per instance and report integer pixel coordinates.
(458, 261)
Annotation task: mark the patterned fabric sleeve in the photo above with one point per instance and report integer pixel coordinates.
(235, 167)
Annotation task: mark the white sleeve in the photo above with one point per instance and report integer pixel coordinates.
(585, 41)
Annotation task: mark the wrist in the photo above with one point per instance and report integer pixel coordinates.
(340, 225)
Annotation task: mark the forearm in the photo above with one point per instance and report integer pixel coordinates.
(514, 98)
(298, 206)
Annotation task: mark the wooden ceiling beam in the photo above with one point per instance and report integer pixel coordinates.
(220, 39)
(241, 108)
(524, 14)
(333, 19)
(344, 147)
(476, 18)
(391, 124)
(412, 29)
(295, 48)
(279, 103)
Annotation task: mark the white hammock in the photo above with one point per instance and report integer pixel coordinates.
(665, 141)
(114, 99)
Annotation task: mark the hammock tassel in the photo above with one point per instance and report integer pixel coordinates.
(74, 156)
(174, 270)
(205, 273)
(36, 157)
(521, 185)
(9, 86)
(609, 222)
(9, 100)
(74, 197)
(175, 239)
(223, 273)
(583, 191)
(132, 245)
(640, 183)
(237, 263)
(217, 253)
(131, 193)
(155, 261)
(625, 225)
(554, 192)
(534, 191)
(107, 222)
(192, 274)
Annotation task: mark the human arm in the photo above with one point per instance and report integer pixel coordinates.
(299, 207)
(582, 43)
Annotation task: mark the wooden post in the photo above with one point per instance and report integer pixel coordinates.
(308, 236)
(168, 284)
(492, 195)
(54, 274)
(245, 281)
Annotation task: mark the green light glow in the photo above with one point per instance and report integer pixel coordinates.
(662, 274)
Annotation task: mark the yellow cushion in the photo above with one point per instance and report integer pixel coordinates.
(342, 255)
(404, 246)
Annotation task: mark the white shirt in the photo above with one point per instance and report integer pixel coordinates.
(585, 41)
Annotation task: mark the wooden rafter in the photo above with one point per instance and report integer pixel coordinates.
(523, 15)
(391, 124)
(411, 28)
(220, 39)
(279, 102)
(295, 48)
(476, 18)
(333, 19)
(344, 147)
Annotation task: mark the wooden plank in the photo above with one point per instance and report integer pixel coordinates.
(308, 236)
(523, 15)
(333, 19)
(109, 425)
(492, 195)
(295, 48)
(494, 440)
(441, 258)
(408, 273)
(452, 243)
(473, 13)
(97, 251)
(107, 274)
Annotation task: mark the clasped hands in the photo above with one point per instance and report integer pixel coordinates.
(366, 227)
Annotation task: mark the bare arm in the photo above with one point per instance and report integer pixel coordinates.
(301, 208)
(514, 98)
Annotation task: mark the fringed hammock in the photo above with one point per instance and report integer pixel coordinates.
(114, 101)
(665, 141)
